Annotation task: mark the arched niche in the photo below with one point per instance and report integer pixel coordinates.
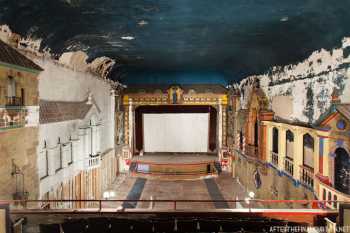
(308, 150)
(289, 144)
(275, 140)
(342, 171)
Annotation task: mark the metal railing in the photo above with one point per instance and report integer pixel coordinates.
(289, 165)
(99, 205)
(274, 158)
(13, 101)
(307, 176)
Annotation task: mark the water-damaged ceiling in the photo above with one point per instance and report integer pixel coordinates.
(235, 38)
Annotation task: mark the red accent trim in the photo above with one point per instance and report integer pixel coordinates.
(324, 179)
(175, 164)
(329, 118)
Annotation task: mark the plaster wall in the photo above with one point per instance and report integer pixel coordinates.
(57, 83)
(18, 147)
(274, 185)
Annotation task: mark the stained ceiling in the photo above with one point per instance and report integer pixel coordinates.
(231, 38)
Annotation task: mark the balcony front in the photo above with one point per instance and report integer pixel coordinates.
(12, 117)
(289, 165)
(307, 176)
(274, 159)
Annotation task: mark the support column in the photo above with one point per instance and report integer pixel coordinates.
(219, 128)
(224, 125)
(130, 125)
(264, 134)
(268, 143)
(263, 142)
(326, 159)
(281, 147)
(298, 153)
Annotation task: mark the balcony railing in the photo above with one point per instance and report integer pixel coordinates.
(289, 165)
(93, 161)
(12, 117)
(251, 150)
(13, 101)
(307, 176)
(274, 158)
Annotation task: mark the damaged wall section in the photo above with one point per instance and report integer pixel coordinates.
(308, 84)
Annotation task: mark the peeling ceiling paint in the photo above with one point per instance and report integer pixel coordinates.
(238, 38)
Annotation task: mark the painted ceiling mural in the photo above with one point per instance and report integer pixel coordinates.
(167, 41)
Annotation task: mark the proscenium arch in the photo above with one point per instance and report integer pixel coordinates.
(142, 109)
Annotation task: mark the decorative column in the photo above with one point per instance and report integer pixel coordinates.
(219, 128)
(298, 152)
(281, 147)
(224, 125)
(268, 143)
(130, 125)
(126, 120)
(113, 95)
(321, 154)
(264, 152)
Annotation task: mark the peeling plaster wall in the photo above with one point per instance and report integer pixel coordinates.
(310, 83)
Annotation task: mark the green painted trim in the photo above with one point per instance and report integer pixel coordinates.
(12, 127)
(12, 66)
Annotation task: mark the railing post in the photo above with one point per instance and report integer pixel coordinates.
(174, 204)
(100, 205)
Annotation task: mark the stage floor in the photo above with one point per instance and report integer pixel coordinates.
(175, 158)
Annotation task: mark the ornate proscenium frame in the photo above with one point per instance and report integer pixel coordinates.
(210, 99)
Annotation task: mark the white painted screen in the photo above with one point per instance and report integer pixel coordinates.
(176, 132)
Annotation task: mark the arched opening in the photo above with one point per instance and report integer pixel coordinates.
(342, 171)
(11, 92)
(288, 162)
(289, 144)
(308, 150)
(274, 153)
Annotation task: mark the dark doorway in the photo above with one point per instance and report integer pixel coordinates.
(22, 97)
(241, 140)
(275, 140)
(342, 171)
(256, 133)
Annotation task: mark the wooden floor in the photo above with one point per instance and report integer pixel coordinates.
(174, 158)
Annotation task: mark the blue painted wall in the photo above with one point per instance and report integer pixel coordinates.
(167, 77)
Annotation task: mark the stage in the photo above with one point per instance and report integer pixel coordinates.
(175, 164)
(175, 158)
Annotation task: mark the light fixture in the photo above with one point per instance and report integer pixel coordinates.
(251, 195)
(106, 195)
